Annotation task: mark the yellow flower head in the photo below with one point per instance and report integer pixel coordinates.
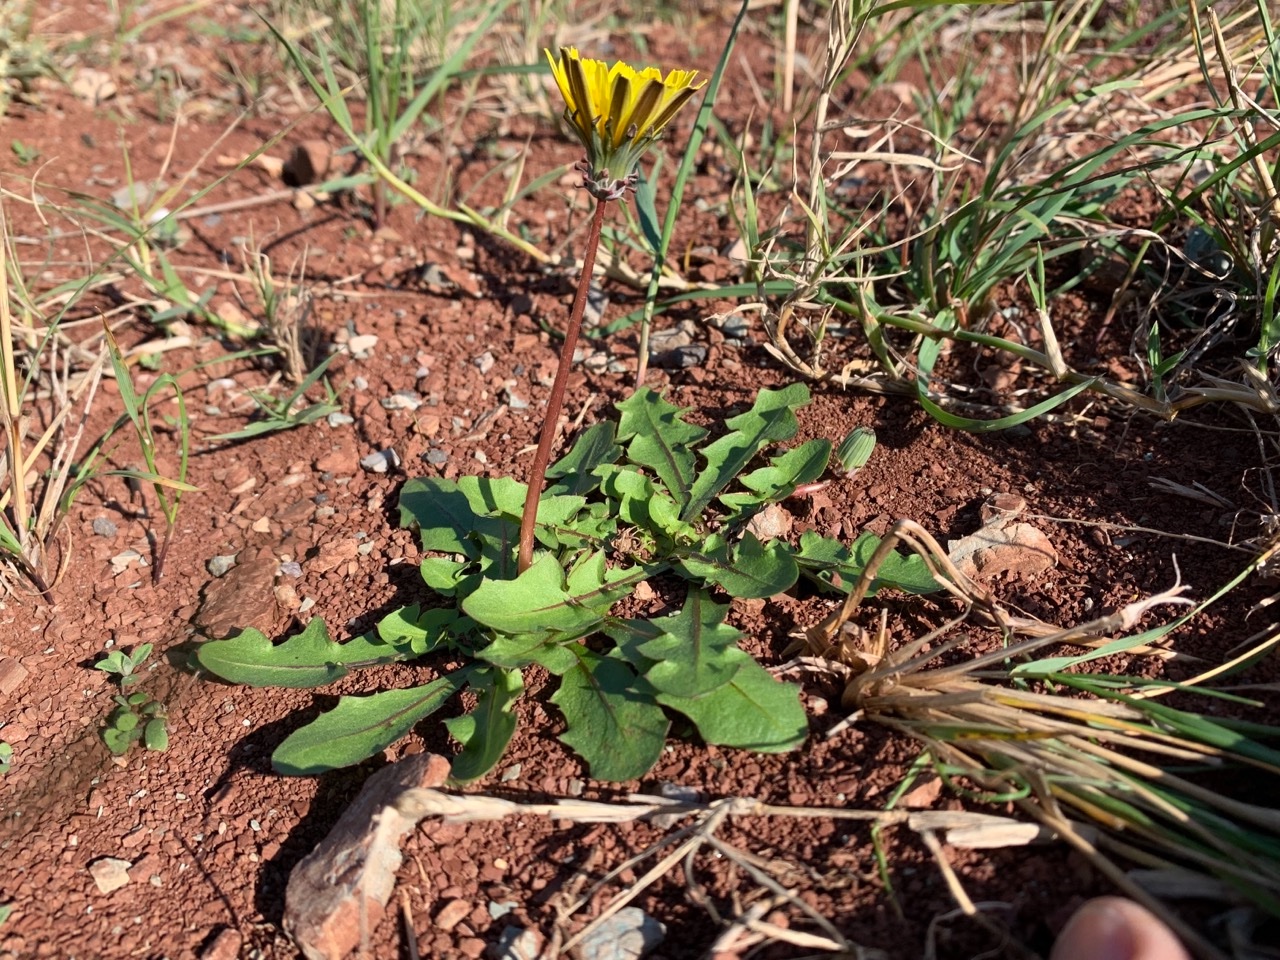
(617, 112)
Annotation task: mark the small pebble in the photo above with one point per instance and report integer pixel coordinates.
(628, 935)
(517, 943)
(484, 362)
(104, 527)
(339, 419)
(515, 401)
(362, 344)
(110, 873)
(218, 566)
(382, 461)
(402, 400)
(499, 909)
(597, 303)
(682, 357)
(120, 562)
(292, 568)
(360, 383)
(437, 458)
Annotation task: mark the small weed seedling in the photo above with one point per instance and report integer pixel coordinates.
(281, 414)
(136, 717)
(6, 756)
(168, 490)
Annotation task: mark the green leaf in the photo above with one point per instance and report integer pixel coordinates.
(660, 440)
(445, 576)
(804, 464)
(576, 469)
(642, 503)
(541, 604)
(557, 524)
(906, 572)
(479, 517)
(822, 558)
(485, 732)
(647, 209)
(421, 631)
(115, 662)
(683, 654)
(451, 515)
(444, 516)
(750, 570)
(155, 735)
(753, 711)
(615, 728)
(118, 741)
(308, 659)
(359, 727)
(770, 419)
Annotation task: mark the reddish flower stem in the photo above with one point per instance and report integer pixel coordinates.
(542, 459)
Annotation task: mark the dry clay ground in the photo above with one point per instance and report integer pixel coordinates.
(210, 833)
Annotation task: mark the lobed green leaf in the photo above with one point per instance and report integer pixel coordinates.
(575, 471)
(753, 711)
(660, 440)
(750, 569)
(618, 730)
(308, 659)
(803, 464)
(359, 727)
(543, 604)
(770, 419)
(822, 558)
(420, 630)
(685, 654)
(486, 730)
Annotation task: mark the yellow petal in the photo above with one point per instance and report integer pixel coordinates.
(678, 100)
(642, 114)
(558, 72)
(619, 106)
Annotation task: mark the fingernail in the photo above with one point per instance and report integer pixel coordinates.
(1098, 931)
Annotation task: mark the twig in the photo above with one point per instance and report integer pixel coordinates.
(410, 931)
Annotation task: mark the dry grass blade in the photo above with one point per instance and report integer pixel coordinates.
(991, 737)
(962, 828)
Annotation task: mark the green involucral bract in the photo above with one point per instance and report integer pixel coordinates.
(655, 497)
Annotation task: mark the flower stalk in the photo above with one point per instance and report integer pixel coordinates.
(616, 113)
(550, 426)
